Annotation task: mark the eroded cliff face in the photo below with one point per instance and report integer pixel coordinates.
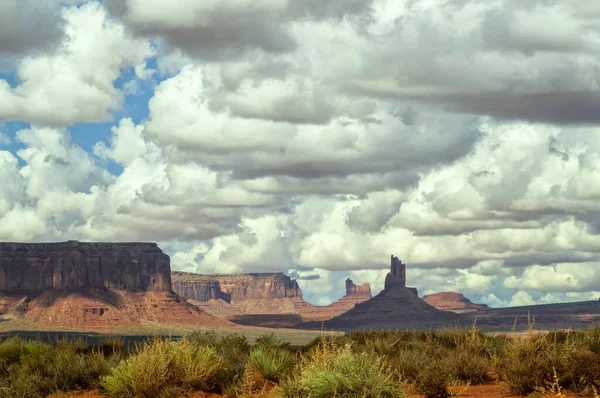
(32, 268)
(232, 288)
(353, 290)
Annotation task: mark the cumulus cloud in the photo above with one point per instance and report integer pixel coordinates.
(29, 25)
(183, 116)
(226, 29)
(496, 58)
(315, 138)
(558, 278)
(75, 82)
(521, 299)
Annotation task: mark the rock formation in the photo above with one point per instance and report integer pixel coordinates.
(452, 301)
(92, 285)
(353, 290)
(261, 299)
(33, 268)
(233, 288)
(397, 274)
(396, 307)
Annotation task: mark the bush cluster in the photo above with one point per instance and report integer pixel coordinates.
(359, 364)
(34, 369)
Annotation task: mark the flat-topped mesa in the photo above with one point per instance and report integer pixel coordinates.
(234, 287)
(353, 290)
(32, 268)
(397, 274)
(452, 301)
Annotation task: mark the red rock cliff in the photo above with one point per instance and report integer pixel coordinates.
(234, 287)
(353, 290)
(30, 268)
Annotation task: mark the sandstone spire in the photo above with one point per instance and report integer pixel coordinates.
(397, 274)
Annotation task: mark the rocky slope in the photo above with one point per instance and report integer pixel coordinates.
(396, 307)
(452, 301)
(92, 285)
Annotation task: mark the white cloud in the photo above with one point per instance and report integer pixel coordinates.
(230, 28)
(320, 137)
(75, 83)
(558, 278)
(493, 301)
(29, 25)
(521, 298)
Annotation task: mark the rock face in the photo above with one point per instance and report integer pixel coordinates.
(32, 268)
(261, 299)
(396, 307)
(92, 286)
(452, 301)
(353, 290)
(232, 288)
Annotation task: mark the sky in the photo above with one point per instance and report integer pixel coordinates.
(314, 138)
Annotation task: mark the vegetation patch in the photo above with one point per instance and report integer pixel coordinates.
(359, 364)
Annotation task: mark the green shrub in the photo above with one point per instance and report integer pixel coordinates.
(270, 340)
(37, 369)
(112, 346)
(271, 362)
(197, 365)
(468, 367)
(233, 349)
(580, 370)
(433, 381)
(331, 371)
(528, 363)
(409, 363)
(163, 364)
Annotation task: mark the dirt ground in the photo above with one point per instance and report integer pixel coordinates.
(492, 390)
(96, 394)
(488, 390)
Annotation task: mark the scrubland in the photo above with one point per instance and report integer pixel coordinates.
(359, 364)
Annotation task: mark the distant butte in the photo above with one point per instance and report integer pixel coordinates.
(265, 299)
(452, 301)
(396, 307)
(92, 285)
(353, 290)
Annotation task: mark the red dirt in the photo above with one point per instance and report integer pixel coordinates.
(490, 390)
(97, 394)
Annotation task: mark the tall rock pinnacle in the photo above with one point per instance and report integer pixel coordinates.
(397, 274)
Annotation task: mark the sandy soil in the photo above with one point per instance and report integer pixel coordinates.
(492, 390)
